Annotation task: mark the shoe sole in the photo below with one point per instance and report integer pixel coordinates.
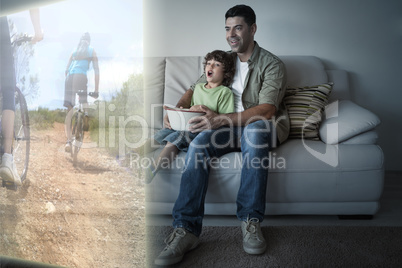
(165, 262)
(254, 251)
(169, 262)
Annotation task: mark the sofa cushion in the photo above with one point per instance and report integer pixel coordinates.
(154, 82)
(344, 120)
(305, 106)
(369, 137)
(304, 71)
(335, 173)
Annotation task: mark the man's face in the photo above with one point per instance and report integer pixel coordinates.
(238, 34)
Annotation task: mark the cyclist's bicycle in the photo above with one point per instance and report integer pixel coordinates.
(21, 141)
(78, 124)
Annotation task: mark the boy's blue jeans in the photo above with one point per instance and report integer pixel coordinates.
(255, 141)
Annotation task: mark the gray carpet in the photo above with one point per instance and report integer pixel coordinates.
(290, 246)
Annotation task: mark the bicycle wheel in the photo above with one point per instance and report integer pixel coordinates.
(73, 126)
(78, 135)
(22, 141)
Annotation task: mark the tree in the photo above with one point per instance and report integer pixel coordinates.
(130, 99)
(27, 82)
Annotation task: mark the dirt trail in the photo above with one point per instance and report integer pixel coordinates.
(91, 215)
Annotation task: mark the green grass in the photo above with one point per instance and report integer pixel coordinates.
(116, 132)
(118, 141)
(44, 118)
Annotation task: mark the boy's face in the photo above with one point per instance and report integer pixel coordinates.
(214, 71)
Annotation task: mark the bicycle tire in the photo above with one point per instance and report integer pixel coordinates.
(73, 126)
(74, 122)
(78, 136)
(22, 135)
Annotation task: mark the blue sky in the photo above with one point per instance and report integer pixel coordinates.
(116, 33)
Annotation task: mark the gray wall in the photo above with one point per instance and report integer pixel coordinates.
(363, 37)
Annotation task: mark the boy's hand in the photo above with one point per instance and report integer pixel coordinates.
(166, 122)
(197, 108)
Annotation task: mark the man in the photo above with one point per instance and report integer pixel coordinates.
(259, 121)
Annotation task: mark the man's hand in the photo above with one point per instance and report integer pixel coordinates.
(204, 122)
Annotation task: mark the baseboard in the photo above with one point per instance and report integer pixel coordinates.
(355, 217)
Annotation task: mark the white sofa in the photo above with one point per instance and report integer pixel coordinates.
(341, 174)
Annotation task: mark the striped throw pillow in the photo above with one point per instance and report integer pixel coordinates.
(305, 106)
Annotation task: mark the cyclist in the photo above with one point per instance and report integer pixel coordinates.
(76, 79)
(8, 170)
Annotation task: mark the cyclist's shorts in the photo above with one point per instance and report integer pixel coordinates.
(74, 83)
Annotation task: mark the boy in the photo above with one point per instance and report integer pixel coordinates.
(215, 94)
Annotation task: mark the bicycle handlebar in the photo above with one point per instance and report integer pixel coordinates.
(92, 94)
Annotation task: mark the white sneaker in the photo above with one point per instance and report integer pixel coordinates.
(253, 240)
(8, 171)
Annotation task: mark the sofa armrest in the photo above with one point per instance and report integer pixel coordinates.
(344, 119)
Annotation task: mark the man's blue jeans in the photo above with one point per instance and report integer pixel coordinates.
(255, 141)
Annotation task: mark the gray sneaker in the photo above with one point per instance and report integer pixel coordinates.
(253, 240)
(177, 244)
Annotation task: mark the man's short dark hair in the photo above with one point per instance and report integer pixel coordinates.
(242, 11)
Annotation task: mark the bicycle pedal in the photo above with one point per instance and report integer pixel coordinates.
(9, 185)
(76, 143)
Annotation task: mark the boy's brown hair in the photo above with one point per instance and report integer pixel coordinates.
(228, 65)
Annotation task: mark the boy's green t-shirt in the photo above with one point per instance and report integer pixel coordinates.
(219, 99)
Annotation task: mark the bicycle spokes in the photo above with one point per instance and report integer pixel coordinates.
(21, 144)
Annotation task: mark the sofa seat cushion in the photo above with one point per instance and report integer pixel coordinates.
(336, 173)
